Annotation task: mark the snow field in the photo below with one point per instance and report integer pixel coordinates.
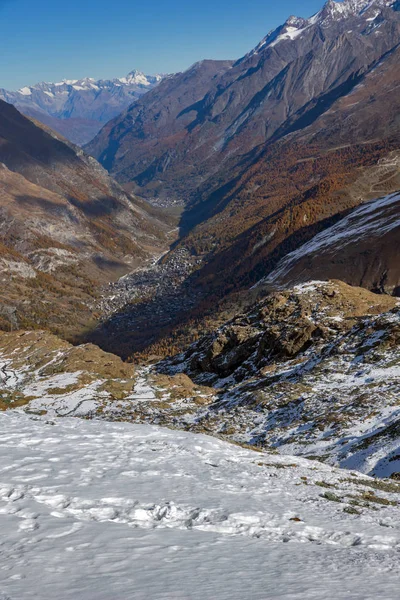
(100, 511)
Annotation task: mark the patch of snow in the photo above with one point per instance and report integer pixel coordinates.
(25, 91)
(142, 391)
(66, 82)
(17, 268)
(291, 33)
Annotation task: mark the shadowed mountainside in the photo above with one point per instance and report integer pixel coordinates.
(65, 228)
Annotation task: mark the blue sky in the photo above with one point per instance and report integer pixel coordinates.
(50, 39)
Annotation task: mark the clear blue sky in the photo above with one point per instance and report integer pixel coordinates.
(51, 39)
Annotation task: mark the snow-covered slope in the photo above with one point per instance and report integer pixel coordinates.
(313, 371)
(101, 511)
(361, 248)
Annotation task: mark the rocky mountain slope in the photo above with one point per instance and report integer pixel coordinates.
(153, 129)
(314, 144)
(198, 286)
(288, 80)
(79, 108)
(42, 371)
(312, 371)
(66, 227)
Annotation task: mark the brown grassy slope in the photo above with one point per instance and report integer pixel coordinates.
(65, 228)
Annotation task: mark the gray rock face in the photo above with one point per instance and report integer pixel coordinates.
(287, 81)
(79, 108)
(311, 371)
(278, 329)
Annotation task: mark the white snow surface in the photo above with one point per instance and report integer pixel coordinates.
(25, 91)
(114, 511)
(291, 33)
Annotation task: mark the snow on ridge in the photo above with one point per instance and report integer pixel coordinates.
(348, 8)
(332, 11)
(136, 77)
(291, 33)
(361, 222)
(87, 83)
(64, 82)
(25, 91)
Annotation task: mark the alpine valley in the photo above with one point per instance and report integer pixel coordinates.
(200, 324)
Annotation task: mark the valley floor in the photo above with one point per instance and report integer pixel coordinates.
(99, 511)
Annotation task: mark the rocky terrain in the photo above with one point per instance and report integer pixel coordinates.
(44, 373)
(312, 371)
(79, 108)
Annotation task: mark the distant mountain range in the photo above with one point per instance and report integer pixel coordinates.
(78, 108)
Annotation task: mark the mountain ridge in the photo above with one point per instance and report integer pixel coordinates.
(78, 108)
(283, 144)
(247, 105)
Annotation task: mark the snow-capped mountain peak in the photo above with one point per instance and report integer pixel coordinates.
(90, 101)
(291, 29)
(348, 8)
(25, 91)
(329, 15)
(136, 77)
(296, 22)
(64, 82)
